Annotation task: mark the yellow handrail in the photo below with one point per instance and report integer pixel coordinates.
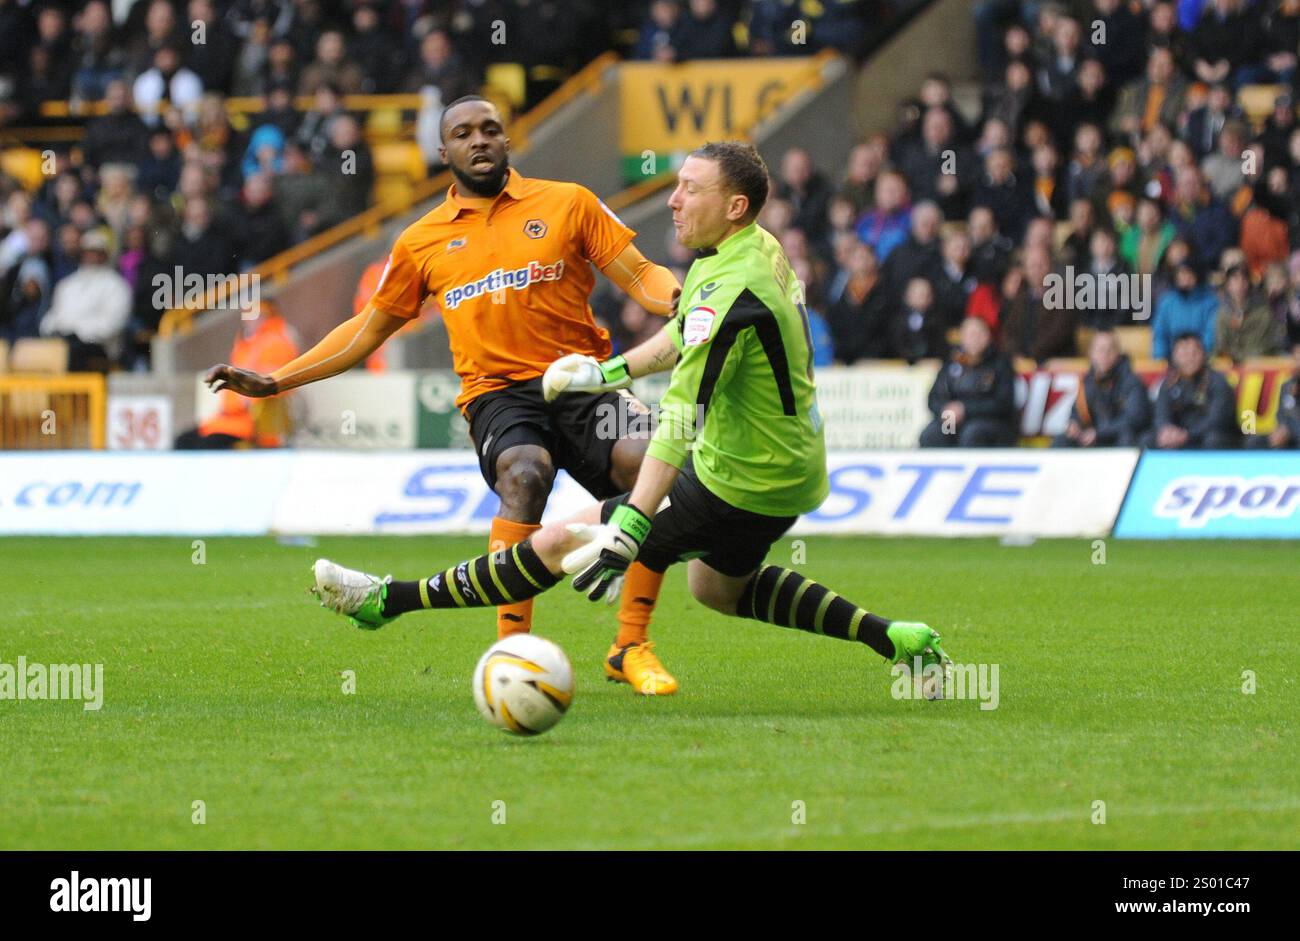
(248, 104)
(639, 191)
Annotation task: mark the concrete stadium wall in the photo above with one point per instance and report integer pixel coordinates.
(179, 388)
(941, 38)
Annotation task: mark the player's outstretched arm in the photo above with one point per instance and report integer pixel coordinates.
(654, 355)
(342, 348)
(650, 285)
(580, 373)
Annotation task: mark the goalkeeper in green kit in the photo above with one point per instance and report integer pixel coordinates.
(737, 456)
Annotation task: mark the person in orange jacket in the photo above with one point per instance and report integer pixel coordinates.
(265, 342)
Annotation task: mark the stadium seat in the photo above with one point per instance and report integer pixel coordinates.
(399, 158)
(272, 420)
(398, 166)
(1083, 338)
(4, 357)
(39, 355)
(1135, 342)
(547, 73)
(510, 79)
(1066, 364)
(1258, 100)
(24, 165)
(384, 124)
(393, 191)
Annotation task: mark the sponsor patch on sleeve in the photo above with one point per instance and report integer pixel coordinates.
(698, 326)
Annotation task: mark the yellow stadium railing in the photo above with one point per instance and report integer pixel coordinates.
(246, 105)
(647, 187)
(52, 412)
(277, 268)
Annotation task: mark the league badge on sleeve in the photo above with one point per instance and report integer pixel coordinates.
(698, 326)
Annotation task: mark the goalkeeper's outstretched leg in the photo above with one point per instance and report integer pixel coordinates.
(786, 598)
(507, 576)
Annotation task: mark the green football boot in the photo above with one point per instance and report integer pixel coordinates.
(913, 639)
(355, 595)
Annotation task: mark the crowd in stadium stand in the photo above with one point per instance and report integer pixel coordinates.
(166, 179)
(1110, 140)
(1116, 150)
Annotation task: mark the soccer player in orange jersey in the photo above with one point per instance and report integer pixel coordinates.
(509, 262)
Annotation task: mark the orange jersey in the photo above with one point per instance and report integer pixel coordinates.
(512, 281)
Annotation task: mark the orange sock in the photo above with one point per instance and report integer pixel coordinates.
(640, 592)
(512, 618)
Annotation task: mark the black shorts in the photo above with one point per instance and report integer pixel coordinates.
(697, 523)
(578, 430)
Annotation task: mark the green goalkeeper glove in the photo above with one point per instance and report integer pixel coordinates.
(600, 563)
(579, 373)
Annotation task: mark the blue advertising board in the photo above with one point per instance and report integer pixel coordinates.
(1213, 494)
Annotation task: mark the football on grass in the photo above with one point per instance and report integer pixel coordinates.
(523, 684)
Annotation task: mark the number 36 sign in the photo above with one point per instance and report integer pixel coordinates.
(139, 423)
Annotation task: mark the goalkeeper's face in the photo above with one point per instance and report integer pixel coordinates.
(475, 147)
(704, 212)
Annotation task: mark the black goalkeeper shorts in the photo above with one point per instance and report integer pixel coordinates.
(578, 430)
(698, 524)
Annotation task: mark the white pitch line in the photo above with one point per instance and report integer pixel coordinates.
(1078, 814)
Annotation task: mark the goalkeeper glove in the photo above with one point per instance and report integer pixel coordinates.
(579, 373)
(598, 564)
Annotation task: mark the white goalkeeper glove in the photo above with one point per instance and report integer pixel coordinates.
(579, 373)
(598, 566)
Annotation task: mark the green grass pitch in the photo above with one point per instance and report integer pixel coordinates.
(1119, 682)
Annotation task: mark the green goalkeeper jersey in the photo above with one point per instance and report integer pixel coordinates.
(742, 394)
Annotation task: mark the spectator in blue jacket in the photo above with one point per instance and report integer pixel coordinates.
(656, 39)
(1189, 13)
(1207, 224)
(1188, 307)
(887, 226)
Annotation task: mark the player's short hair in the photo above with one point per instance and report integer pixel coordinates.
(442, 120)
(742, 169)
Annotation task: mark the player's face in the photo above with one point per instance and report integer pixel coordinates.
(475, 146)
(701, 206)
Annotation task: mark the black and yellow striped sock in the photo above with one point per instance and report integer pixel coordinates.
(512, 574)
(787, 599)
